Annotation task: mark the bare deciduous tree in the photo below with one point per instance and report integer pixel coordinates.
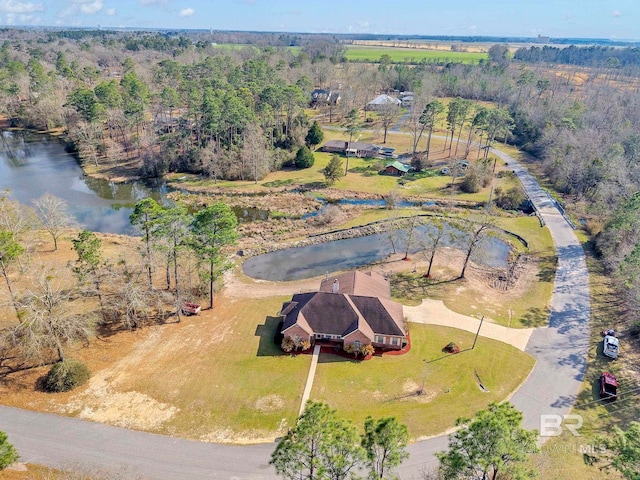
(388, 113)
(130, 301)
(477, 233)
(47, 324)
(54, 216)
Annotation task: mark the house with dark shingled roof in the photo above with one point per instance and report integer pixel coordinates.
(350, 308)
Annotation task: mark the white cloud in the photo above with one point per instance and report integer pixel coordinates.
(22, 19)
(15, 6)
(616, 13)
(110, 11)
(152, 2)
(89, 6)
(187, 12)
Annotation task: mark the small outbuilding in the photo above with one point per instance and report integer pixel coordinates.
(396, 168)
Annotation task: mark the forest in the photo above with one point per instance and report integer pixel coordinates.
(173, 103)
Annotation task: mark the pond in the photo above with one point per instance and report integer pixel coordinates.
(313, 260)
(32, 165)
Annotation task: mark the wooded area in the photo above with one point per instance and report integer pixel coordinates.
(154, 103)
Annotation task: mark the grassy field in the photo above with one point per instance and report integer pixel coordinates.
(360, 53)
(387, 385)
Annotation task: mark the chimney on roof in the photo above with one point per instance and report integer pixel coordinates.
(336, 286)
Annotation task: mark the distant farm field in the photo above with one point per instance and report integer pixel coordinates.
(360, 53)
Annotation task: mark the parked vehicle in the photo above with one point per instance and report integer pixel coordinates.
(189, 308)
(610, 346)
(608, 386)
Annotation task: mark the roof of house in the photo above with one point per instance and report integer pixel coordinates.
(384, 99)
(355, 282)
(398, 166)
(353, 145)
(324, 312)
(362, 302)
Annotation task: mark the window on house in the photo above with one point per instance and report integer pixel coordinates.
(357, 343)
(379, 339)
(395, 341)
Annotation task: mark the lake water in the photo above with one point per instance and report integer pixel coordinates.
(313, 260)
(32, 165)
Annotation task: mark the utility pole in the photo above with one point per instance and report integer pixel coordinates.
(424, 377)
(477, 333)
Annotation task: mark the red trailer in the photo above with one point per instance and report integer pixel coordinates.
(189, 308)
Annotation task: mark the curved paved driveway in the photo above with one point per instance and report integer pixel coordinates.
(559, 349)
(551, 388)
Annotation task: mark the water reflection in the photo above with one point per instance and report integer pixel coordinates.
(32, 165)
(313, 260)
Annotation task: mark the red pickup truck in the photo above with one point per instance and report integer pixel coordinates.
(608, 386)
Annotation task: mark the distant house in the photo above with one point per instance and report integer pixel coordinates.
(406, 99)
(322, 96)
(381, 101)
(355, 149)
(396, 168)
(351, 308)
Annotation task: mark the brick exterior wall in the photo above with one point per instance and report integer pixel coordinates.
(297, 330)
(357, 336)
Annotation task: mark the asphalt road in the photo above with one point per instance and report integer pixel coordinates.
(552, 387)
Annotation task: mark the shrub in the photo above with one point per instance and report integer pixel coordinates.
(367, 350)
(287, 344)
(417, 163)
(511, 199)
(392, 199)
(451, 347)
(351, 348)
(329, 214)
(8, 454)
(66, 375)
(304, 158)
(471, 182)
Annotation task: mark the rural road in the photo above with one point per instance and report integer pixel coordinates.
(552, 387)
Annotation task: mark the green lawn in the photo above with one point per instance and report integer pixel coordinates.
(360, 53)
(234, 384)
(386, 386)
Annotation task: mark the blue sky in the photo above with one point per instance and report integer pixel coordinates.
(618, 19)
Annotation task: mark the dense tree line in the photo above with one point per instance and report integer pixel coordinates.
(592, 56)
(181, 108)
